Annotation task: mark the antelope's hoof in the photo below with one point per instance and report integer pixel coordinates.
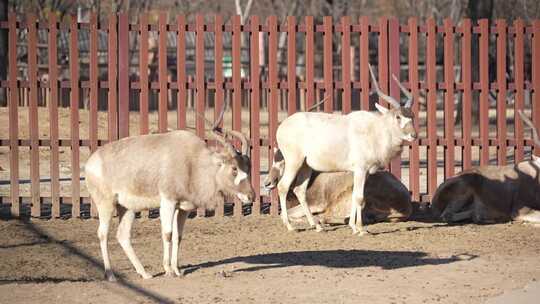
(179, 273)
(363, 232)
(319, 228)
(109, 276)
(290, 228)
(169, 274)
(145, 275)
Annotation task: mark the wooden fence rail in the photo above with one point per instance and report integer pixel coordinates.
(434, 61)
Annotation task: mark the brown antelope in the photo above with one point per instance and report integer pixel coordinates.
(489, 194)
(329, 195)
(174, 171)
(359, 142)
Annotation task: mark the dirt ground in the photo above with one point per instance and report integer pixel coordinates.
(255, 260)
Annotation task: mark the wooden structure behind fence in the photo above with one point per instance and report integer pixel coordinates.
(398, 50)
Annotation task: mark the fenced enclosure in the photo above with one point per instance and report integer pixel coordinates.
(74, 86)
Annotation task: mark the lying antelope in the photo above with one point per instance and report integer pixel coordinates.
(359, 142)
(329, 195)
(489, 194)
(174, 171)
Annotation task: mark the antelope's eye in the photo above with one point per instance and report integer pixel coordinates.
(235, 171)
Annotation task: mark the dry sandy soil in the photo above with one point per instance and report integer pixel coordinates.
(255, 260)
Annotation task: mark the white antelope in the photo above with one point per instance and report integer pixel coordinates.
(489, 194)
(329, 195)
(174, 171)
(359, 142)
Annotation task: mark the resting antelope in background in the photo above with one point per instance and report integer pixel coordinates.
(329, 195)
(174, 171)
(489, 194)
(359, 142)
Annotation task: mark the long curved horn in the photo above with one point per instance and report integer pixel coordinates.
(529, 123)
(215, 132)
(389, 99)
(245, 142)
(219, 137)
(313, 107)
(406, 92)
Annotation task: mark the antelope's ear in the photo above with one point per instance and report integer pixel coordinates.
(380, 108)
(536, 159)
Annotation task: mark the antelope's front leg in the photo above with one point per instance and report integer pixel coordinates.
(291, 168)
(358, 202)
(302, 180)
(166, 214)
(180, 217)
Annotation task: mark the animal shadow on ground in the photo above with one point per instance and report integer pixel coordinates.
(121, 286)
(334, 259)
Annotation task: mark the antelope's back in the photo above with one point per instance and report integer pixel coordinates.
(139, 162)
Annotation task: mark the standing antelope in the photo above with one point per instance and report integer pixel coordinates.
(359, 142)
(490, 194)
(329, 195)
(174, 171)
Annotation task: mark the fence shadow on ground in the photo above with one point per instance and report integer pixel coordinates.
(334, 259)
(121, 286)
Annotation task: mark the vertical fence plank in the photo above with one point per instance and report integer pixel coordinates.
(33, 115)
(74, 105)
(181, 72)
(501, 94)
(328, 65)
(431, 75)
(112, 98)
(466, 79)
(236, 74)
(143, 74)
(364, 61)
(310, 63)
(53, 116)
(346, 63)
(123, 75)
(394, 69)
(273, 99)
(162, 72)
(237, 88)
(484, 91)
(291, 64)
(383, 57)
(536, 78)
(254, 117)
(519, 84)
(199, 75)
(219, 97)
(93, 102)
(449, 157)
(414, 169)
(13, 103)
(218, 66)
(199, 82)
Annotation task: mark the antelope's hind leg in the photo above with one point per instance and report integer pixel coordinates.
(105, 211)
(127, 217)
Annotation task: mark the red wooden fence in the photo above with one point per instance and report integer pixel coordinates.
(410, 51)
